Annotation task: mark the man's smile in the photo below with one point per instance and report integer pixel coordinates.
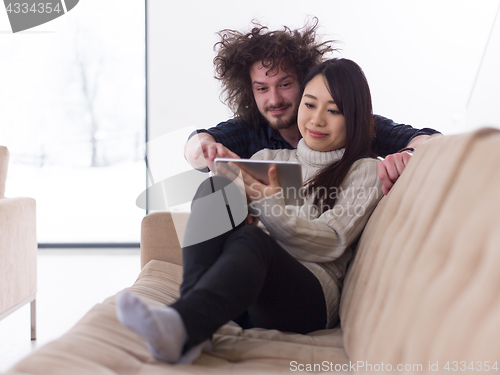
(279, 110)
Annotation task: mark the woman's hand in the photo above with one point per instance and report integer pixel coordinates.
(257, 190)
(251, 220)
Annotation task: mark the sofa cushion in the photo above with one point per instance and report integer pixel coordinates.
(99, 344)
(424, 284)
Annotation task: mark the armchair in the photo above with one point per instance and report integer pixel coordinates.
(18, 250)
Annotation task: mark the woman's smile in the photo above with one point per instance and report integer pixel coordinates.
(316, 134)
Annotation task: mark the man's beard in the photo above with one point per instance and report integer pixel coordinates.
(281, 124)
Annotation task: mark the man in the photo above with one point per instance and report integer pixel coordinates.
(261, 74)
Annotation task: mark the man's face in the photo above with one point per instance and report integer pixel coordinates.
(277, 94)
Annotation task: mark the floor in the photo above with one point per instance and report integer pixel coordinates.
(70, 282)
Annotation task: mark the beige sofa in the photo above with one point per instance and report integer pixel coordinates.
(422, 293)
(18, 250)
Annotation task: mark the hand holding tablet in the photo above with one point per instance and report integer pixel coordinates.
(289, 174)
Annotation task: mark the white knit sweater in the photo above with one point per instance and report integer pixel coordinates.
(322, 242)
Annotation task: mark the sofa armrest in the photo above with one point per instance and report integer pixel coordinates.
(18, 251)
(160, 233)
(4, 164)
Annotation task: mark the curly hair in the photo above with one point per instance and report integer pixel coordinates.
(237, 52)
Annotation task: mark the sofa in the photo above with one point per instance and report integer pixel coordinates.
(422, 293)
(18, 251)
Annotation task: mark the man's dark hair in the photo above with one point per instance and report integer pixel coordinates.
(237, 52)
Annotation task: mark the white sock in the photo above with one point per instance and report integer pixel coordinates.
(161, 327)
(193, 353)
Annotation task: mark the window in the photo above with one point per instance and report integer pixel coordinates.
(72, 113)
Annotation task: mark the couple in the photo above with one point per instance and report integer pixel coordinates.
(289, 278)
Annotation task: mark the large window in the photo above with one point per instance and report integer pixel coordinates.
(72, 113)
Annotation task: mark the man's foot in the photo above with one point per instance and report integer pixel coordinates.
(161, 327)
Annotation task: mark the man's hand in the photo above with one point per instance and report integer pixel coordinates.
(257, 190)
(393, 165)
(201, 150)
(391, 168)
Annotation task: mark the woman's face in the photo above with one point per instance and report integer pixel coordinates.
(321, 124)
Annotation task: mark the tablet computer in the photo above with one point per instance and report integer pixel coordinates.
(289, 175)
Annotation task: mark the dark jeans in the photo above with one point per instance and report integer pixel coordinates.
(246, 276)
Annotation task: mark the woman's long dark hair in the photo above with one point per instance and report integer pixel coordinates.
(348, 86)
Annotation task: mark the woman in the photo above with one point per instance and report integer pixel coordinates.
(289, 278)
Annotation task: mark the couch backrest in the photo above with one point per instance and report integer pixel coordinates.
(425, 281)
(4, 164)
